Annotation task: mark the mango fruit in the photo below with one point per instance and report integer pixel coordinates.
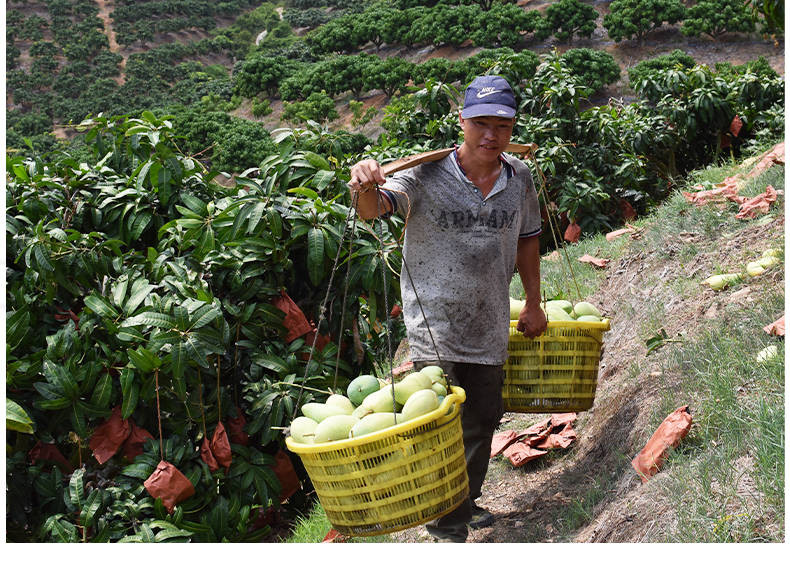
(515, 308)
(419, 403)
(341, 402)
(302, 429)
(588, 318)
(557, 314)
(334, 428)
(319, 412)
(360, 387)
(379, 401)
(768, 353)
(374, 422)
(719, 282)
(565, 305)
(583, 308)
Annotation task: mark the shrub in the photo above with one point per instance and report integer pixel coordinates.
(595, 68)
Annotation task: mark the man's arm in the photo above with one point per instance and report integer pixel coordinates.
(365, 177)
(531, 320)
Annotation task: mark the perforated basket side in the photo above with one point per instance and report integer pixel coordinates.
(555, 372)
(394, 479)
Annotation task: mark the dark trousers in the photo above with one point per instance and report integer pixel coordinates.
(480, 416)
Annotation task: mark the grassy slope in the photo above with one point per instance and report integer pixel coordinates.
(726, 480)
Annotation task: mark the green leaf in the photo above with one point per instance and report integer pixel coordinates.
(119, 291)
(317, 160)
(205, 315)
(144, 360)
(304, 192)
(78, 423)
(272, 362)
(155, 319)
(99, 305)
(92, 505)
(194, 204)
(102, 392)
(143, 173)
(62, 379)
(16, 418)
(77, 487)
(322, 179)
(131, 391)
(140, 290)
(17, 326)
(315, 255)
(138, 470)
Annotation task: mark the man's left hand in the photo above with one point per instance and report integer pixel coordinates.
(531, 321)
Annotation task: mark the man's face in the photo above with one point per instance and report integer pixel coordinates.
(487, 137)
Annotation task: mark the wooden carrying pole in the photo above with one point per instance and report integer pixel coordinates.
(414, 159)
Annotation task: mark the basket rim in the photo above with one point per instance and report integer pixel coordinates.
(457, 397)
(603, 325)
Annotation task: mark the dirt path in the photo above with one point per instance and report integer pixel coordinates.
(105, 8)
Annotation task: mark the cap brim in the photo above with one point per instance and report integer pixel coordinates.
(488, 110)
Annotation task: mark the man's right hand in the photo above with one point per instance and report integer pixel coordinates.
(365, 175)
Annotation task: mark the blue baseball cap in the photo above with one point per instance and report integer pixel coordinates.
(489, 96)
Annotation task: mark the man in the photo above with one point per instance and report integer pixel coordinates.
(472, 217)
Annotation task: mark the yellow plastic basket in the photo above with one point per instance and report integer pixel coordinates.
(392, 479)
(555, 372)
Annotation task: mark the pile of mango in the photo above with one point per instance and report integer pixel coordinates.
(559, 310)
(369, 406)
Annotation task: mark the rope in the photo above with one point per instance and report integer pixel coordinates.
(159, 415)
(322, 310)
(219, 401)
(553, 224)
(345, 296)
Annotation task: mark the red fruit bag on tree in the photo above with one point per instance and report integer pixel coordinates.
(133, 445)
(220, 446)
(284, 470)
(49, 452)
(295, 321)
(207, 455)
(109, 436)
(170, 484)
(668, 436)
(236, 431)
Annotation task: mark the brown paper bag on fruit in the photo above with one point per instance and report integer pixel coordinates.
(170, 484)
(109, 436)
(668, 436)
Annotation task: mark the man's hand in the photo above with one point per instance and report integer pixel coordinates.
(365, 175)
(531, 321)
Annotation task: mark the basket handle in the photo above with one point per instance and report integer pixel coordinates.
(458, 396)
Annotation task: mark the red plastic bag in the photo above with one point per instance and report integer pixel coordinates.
(760, 204)
(109, 436)
(572, 233)
(668, 436)
(284, 470)
(133, 445)
(236, 430)
(49, 452)
(170, 484)
(520, 453)
(502, 441)
(597, 262)
(776, 328)
(295, 320)
(220, 446)
(207, 455)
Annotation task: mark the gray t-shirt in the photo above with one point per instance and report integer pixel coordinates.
(460, 252)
